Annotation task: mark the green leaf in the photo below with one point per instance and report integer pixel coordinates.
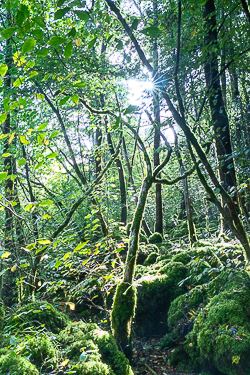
(45, 203)
(39, 165)
(119, 45)
(44, 242)
(39, 96)
(135, 24)
(68, 50)
(75, 99)
(28, 207)
(3, 117)
(151, 31)
(81, 245)
(6, 155)
(40, 21)
(58, 263)
(42, 126)
(40, 138)
(64, 100)
(72, 33)
(52, 155)
(28, 45)
(82, 14)
(92, 43)
(42, 52)
(38, 33)
(60, 3)
(130, 109)
(56, 41)
(3, 69)
(21, 162)
(3, 175)
(83, 357)
(23, 139)
(80, 84)
(60, 13)
(33, 74)
(20, 17)
(13, 340)
(54, 134)
(18, 81)
(117, 123)
(7, 33)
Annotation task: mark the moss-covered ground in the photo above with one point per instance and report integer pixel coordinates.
(197, 299)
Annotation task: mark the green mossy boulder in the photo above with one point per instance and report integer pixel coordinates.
(221, 331)
(155, 293)
(13, 364)
(40, 351)
(151, 259)
(155, 238)
(38, 313)
(96, 346)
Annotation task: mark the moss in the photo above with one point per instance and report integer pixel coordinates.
(155, 238)
(40, 350)
(183, 308)
(183, 257)
(143, 238)
(40, 312)
(16, 365)
(110, 352)
(92, 368)
(2, 315)
(122, 313)
(151, 259)
(155, 294)
(199, 271)
(221, 332)
(99, 346)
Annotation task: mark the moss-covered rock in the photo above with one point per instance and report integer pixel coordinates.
(221, 332)
(155, 294)
(14, 364)
(155, 238)
(151, 259)
(96, 346)
(37, 313)
(40, 351)
(92, 368)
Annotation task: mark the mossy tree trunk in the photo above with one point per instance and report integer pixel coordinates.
(124, 305)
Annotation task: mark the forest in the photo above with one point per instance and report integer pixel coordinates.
(124, 187)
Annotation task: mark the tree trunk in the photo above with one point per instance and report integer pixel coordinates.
(124, 305)
(216, 103)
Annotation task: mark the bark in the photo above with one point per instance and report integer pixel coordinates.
(157, 136)
(121, 173)
(131, 180)
(216, 103)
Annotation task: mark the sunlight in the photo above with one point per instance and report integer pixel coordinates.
(169, 134)
(138, 90)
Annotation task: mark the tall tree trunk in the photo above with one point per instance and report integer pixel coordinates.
(216, 103)
(157, 136)
(124, 305)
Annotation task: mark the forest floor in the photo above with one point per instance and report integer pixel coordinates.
(150, 359)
